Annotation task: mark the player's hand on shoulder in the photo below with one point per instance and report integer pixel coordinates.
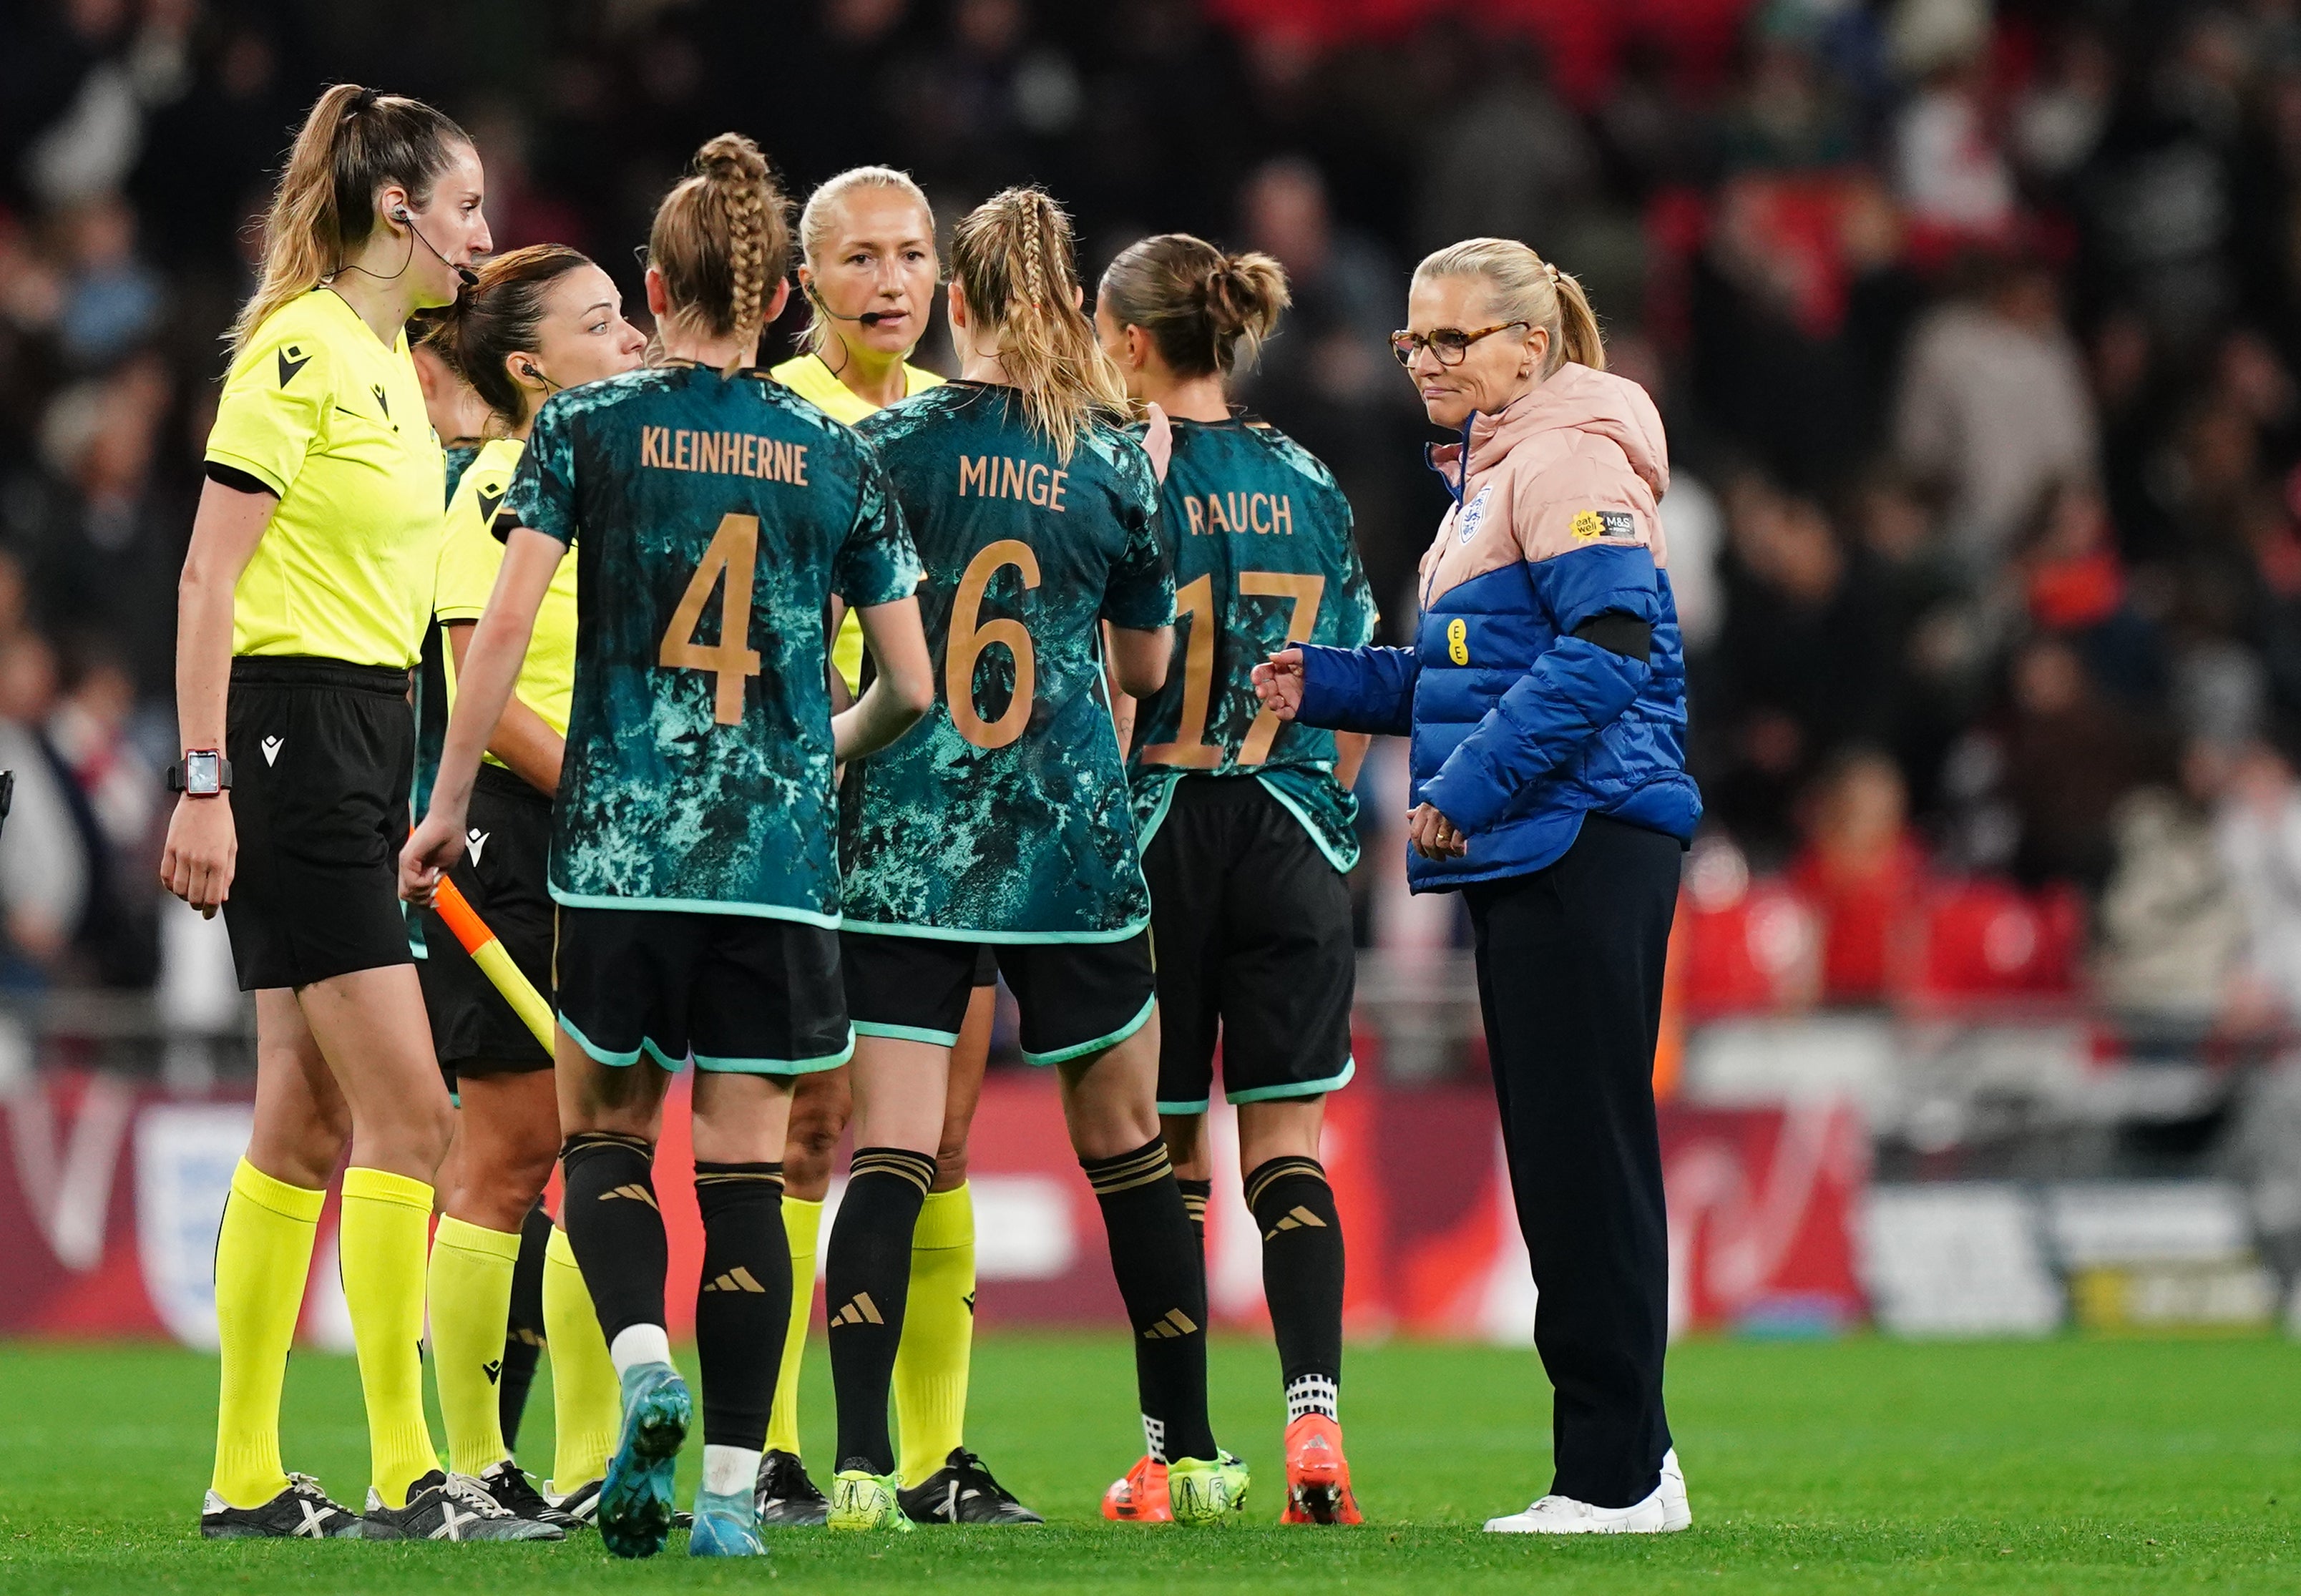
(201, 853)
(1278, 683)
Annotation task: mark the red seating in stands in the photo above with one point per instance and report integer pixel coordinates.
(1989, 939)
(1758, 951)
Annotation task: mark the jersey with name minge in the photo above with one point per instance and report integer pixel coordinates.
(1004, 813)
(711, 517)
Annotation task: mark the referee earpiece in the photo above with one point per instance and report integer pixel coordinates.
(463, 274)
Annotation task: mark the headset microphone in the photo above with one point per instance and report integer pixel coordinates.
(869, 318)
(463, 274)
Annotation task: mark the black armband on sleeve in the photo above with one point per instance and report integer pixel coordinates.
(237, 480)
(1619, 633)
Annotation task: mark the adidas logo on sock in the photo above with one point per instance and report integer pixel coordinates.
(1175, 1324)
(637, 1194)
(1300, 1219)
(861, 1310)
(492, 1370)
(737, 1279)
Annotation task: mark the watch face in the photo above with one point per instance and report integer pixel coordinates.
(204, 772)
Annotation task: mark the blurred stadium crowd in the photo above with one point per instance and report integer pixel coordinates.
(1977, 330)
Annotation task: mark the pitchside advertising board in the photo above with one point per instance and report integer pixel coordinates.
(109, 1209)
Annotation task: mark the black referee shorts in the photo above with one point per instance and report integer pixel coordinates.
(322, 756)
(502, 873)
(1252, 924)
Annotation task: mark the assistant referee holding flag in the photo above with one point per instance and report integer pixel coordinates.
(304, 599)
(1545, 694)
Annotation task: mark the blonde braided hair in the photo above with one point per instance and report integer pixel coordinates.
(722, 240)
(1013, 259)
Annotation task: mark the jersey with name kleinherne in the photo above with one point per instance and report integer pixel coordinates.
(1263, 557)
(469, 559)
(1003, 817)
(712, 518)
(327, 416)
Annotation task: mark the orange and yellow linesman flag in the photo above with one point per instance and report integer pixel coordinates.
(494, 959)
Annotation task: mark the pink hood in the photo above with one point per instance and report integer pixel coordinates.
(1584, 441)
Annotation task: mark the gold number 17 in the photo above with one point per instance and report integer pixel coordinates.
(1196, 601)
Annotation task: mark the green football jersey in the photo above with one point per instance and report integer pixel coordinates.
(1003, 817)
(1263, 556)
(712, 519)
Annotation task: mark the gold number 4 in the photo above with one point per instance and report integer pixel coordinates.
(734, 551)
(1190, 749)
(969, 639)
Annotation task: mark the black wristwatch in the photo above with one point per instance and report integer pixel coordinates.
(201, 772)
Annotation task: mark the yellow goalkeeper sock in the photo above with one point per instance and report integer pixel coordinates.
(383, 1240)
(469, 1296)
(587, 1401)
(264, 1252)
(802, 1226)
(938, 1335)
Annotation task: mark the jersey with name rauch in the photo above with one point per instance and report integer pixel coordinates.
(711, 519)
(1003, 816)
(1263, 557)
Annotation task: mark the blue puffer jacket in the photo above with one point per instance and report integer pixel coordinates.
(1521, 727)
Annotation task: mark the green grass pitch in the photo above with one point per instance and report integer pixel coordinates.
(2072, 1466)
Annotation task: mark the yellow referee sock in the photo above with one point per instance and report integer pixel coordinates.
(470, 1298)
(587, 1402)
(938, 1334)
(803, 1226)
(385, 1219)
(263, 1253)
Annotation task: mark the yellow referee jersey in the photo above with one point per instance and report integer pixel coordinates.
(326, 417)
(814, 382)
(469, 558)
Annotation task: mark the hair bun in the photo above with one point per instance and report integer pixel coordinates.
(730, 157)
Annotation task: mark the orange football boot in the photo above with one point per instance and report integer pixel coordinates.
(1317, 1474)
(1140, 1498)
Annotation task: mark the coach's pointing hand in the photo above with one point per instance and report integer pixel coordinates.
(1279, 683)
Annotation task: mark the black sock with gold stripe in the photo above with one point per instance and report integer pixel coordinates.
(1196, 1195)
(615, 1227)
(867, 1280)
(1165, 1287)
(1293, 1208)
(742, 1304)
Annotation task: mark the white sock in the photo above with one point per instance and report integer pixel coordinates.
(1313, 1393)
(729, 1470)
(636, 1344)
(1154, 1438)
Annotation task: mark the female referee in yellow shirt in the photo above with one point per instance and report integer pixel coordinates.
(539, 320)
(869, 272)
(305, 595)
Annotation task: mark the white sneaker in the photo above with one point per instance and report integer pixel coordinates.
(1676, 1511)
(1563, 1516)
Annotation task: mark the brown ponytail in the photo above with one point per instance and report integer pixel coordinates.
(1523, 286)
(353, 142)
(494, 317)
(1012, 257)
(1203, 309)
(722, 240)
